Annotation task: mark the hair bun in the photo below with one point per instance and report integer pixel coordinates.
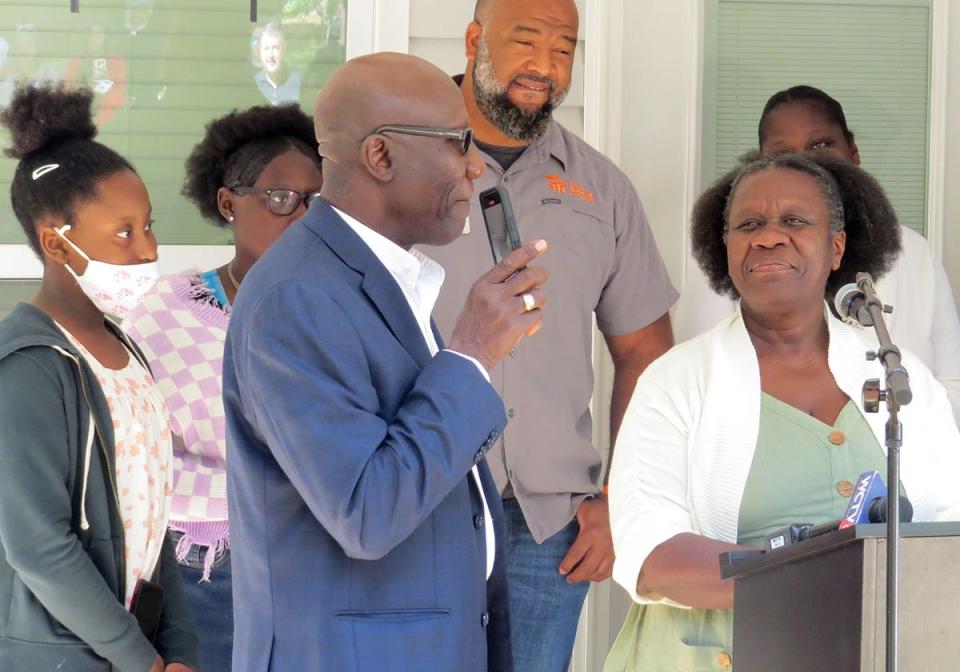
(41, 116)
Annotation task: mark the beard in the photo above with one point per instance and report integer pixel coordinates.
(494, 101)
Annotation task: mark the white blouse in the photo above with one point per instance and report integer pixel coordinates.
(144, 461)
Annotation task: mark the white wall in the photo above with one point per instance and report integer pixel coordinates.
(951, 214)
(659, 141)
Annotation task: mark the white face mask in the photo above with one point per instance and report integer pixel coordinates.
(115, 289)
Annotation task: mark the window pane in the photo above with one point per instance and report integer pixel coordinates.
(874, 57)
(162, 69)
(13, 291)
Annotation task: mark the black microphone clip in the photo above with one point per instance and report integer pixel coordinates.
(850, 303)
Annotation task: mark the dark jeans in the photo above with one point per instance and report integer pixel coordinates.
(212, 604)
(544, 608)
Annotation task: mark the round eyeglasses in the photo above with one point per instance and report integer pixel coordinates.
(279, 201)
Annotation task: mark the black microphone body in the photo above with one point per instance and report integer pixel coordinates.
(878, 510)
(794, 534)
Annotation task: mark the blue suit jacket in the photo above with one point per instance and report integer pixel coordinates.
(356, 529)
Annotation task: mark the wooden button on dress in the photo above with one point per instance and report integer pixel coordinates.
(845, 488)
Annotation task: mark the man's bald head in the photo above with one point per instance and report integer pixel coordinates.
(410, 187)
(384, 88)
(483, 10)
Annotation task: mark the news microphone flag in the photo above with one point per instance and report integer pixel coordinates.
(869, 485)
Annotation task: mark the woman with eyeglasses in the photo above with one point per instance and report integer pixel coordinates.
(255, 171)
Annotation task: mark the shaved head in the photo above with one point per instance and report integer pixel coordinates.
(410, 189)
(482, 10)
(384, 88)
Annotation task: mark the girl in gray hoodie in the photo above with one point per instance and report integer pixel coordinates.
(88, 581)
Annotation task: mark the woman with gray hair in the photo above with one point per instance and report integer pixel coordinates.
(753, 425)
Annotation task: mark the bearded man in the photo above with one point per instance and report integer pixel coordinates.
(603, 261)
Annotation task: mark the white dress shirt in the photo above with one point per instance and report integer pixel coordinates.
(420, 279)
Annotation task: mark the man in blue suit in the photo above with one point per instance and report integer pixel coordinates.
(366, 528)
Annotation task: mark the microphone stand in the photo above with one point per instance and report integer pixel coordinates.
(896, 395)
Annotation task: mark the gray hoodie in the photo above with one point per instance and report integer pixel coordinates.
(61, 537)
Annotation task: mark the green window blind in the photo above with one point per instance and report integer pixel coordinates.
(874, 57)
(162, 69)
(13, 291)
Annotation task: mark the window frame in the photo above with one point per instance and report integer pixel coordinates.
(936, 104)
(18, 262)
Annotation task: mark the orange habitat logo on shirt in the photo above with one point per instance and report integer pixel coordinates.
(561, 186)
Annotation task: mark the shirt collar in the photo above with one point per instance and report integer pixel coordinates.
(414, 271)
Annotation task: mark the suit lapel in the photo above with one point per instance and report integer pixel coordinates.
(385, 294)
(377, 284)
(436, 335)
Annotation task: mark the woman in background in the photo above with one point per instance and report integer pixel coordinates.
(255, 171)
(85, 445)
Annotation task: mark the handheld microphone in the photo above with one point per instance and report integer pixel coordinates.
(869, 486)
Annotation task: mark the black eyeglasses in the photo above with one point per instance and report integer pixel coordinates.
(462, 135)
(279, 201)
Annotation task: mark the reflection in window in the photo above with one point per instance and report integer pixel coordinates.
(161, 69)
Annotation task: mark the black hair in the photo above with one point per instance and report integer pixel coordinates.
(60, 164)
(857, 204)
(810, 95)
(238, 146)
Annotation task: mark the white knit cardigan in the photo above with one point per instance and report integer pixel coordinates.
(687, 441)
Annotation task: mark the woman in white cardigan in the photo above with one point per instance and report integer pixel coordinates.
(925, 322)
(753, 425)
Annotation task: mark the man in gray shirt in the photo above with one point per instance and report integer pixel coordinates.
(604, 262)
(276, 82)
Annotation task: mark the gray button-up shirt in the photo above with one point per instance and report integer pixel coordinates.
(603, 260)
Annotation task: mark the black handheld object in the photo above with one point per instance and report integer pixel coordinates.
(146, 606)
(500, 222)
(876, 512)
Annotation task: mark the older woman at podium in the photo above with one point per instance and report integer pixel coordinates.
(756, 424)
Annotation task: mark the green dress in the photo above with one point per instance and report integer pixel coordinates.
(802, 472)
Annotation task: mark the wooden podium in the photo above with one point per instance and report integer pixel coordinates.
(820, 605)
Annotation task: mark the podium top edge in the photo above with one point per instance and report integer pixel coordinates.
(741, 563)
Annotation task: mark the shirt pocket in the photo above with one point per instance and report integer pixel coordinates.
(417, 636)
(582, 247)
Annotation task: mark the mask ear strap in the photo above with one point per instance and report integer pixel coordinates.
(60, 231)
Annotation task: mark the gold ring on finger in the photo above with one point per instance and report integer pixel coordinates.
(529, 303)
